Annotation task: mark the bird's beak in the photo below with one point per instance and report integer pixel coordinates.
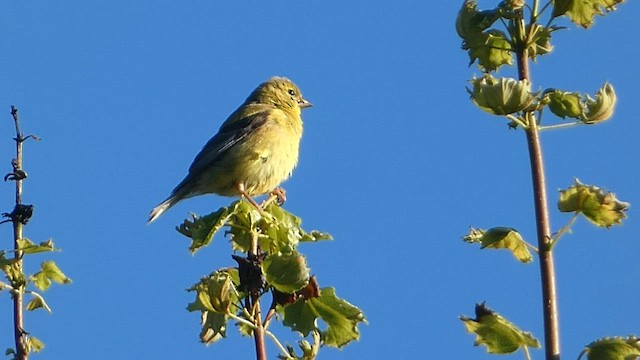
(304, 103)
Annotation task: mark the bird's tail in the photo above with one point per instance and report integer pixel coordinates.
(160, 209)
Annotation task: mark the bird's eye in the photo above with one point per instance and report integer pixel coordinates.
(292, 92)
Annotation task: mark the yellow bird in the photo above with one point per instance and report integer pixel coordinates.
(254, 151)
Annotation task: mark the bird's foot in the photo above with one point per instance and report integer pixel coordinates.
(279, 195)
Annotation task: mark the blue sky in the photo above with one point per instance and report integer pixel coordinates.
(395, 162)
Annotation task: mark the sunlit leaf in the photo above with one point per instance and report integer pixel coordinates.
(341, 318)
(496, 333)
(583, 12)
(37, 302)
(201, 229)
(600, 207)
(12, 270)
(601, 108)
(501, 96)
(49, 272)
(34, 344)
(214, 327)
(541, 41)
(565, 104)
(501, 238)
(288, 273)
(28, 247)
(492, 49)
(470, 22)
(613, 348)
(215, 293)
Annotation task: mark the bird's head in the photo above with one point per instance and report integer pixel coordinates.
(280, 92)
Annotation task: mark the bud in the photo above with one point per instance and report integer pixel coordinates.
(501, 96)
(601, 108)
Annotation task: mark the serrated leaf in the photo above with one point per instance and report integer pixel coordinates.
(501, 238)
(492, 49)
(496, 333)
(582, 12)
(287, 273)
(614, 348)
(28, 247)
(600, 207)
(201, 229)
(341, 318)
(49, 272)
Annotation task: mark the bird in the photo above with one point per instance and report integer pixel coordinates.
(253, 152)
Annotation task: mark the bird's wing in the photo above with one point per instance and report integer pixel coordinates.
(232, 131)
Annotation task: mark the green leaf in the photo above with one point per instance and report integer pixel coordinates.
(581, 106)
(565, 104)
(341, 318)
(613, 348)
(470, 22)
(37, 302)
(216, 293)
(582, 12)
(541, 41)
(275, 229)
(12, 270)
(293, 224)
(501, 238)
(214, 327)
(599, 207)
(34, 344)
(28, 247)
(287, 273)
(201, 229)
(501, 96)
(49, 272)
(496, 333)
(492, 49)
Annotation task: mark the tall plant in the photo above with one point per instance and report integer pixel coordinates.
(522, 30)
(19, 283)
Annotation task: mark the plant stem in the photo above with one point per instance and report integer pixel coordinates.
(18, 293)
(258, 331)
(547, 268)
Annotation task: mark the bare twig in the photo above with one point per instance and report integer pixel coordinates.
(20, 336)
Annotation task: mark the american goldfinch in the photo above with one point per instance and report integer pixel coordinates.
(254, 151)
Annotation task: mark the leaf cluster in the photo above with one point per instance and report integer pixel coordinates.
(19, 281)
(279, 269)
(493, 46)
